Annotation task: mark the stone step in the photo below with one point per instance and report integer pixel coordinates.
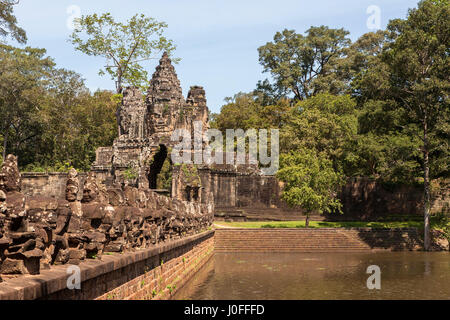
(307, 240)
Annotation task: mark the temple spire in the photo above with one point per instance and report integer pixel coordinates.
(165, 55)
(165, 85)
(164, 98)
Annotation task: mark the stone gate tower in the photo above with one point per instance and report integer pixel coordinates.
(144, 141)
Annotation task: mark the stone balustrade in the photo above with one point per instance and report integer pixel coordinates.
(38, 232)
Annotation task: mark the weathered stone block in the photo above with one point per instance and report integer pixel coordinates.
(77, 254)
(10, 266)
(93, 211)
(62, 257)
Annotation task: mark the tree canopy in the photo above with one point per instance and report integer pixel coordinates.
(124, 45)
(376, 107)
(306, 65)
(23, 74)
(48, 118)
(8, 22)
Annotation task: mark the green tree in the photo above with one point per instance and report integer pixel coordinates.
(164, 179)
(306, 65)
(64, 92)
(48, 118)
(245, 111)
(8, 22)
(124, 46)
(368, 72)
(23, 77)
(419, 65)
(388, 146)
(326, 124)
(77, 123)
(310, 182)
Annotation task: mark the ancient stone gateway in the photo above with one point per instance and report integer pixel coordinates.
(142, 149)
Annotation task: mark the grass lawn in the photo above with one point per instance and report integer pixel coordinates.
(321, 224)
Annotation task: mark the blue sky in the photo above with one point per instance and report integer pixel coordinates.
(217, 40)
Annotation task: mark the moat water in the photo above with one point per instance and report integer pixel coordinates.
(305, 276)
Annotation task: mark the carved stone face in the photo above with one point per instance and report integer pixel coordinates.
(3, 207)
(161, 115)
(11, 158)
(72, 187)
(90, 190)
(157, 112)
(71, 193)
(89, 193)
(159, 118)
(9, 175)
(72, 173)
(2, 182)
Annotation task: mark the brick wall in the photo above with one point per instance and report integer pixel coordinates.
(162, 282)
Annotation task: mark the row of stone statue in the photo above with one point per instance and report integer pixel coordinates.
(37, 232)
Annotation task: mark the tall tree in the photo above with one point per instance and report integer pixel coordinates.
(124, 45)
(8, 22)
(418, 58)
(387, 147)
(48, 118)
(306, 65)
(23, 75)
(76, 121)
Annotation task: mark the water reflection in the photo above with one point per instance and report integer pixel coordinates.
(404, 275)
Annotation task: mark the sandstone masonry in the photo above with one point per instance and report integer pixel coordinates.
(115, 207)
